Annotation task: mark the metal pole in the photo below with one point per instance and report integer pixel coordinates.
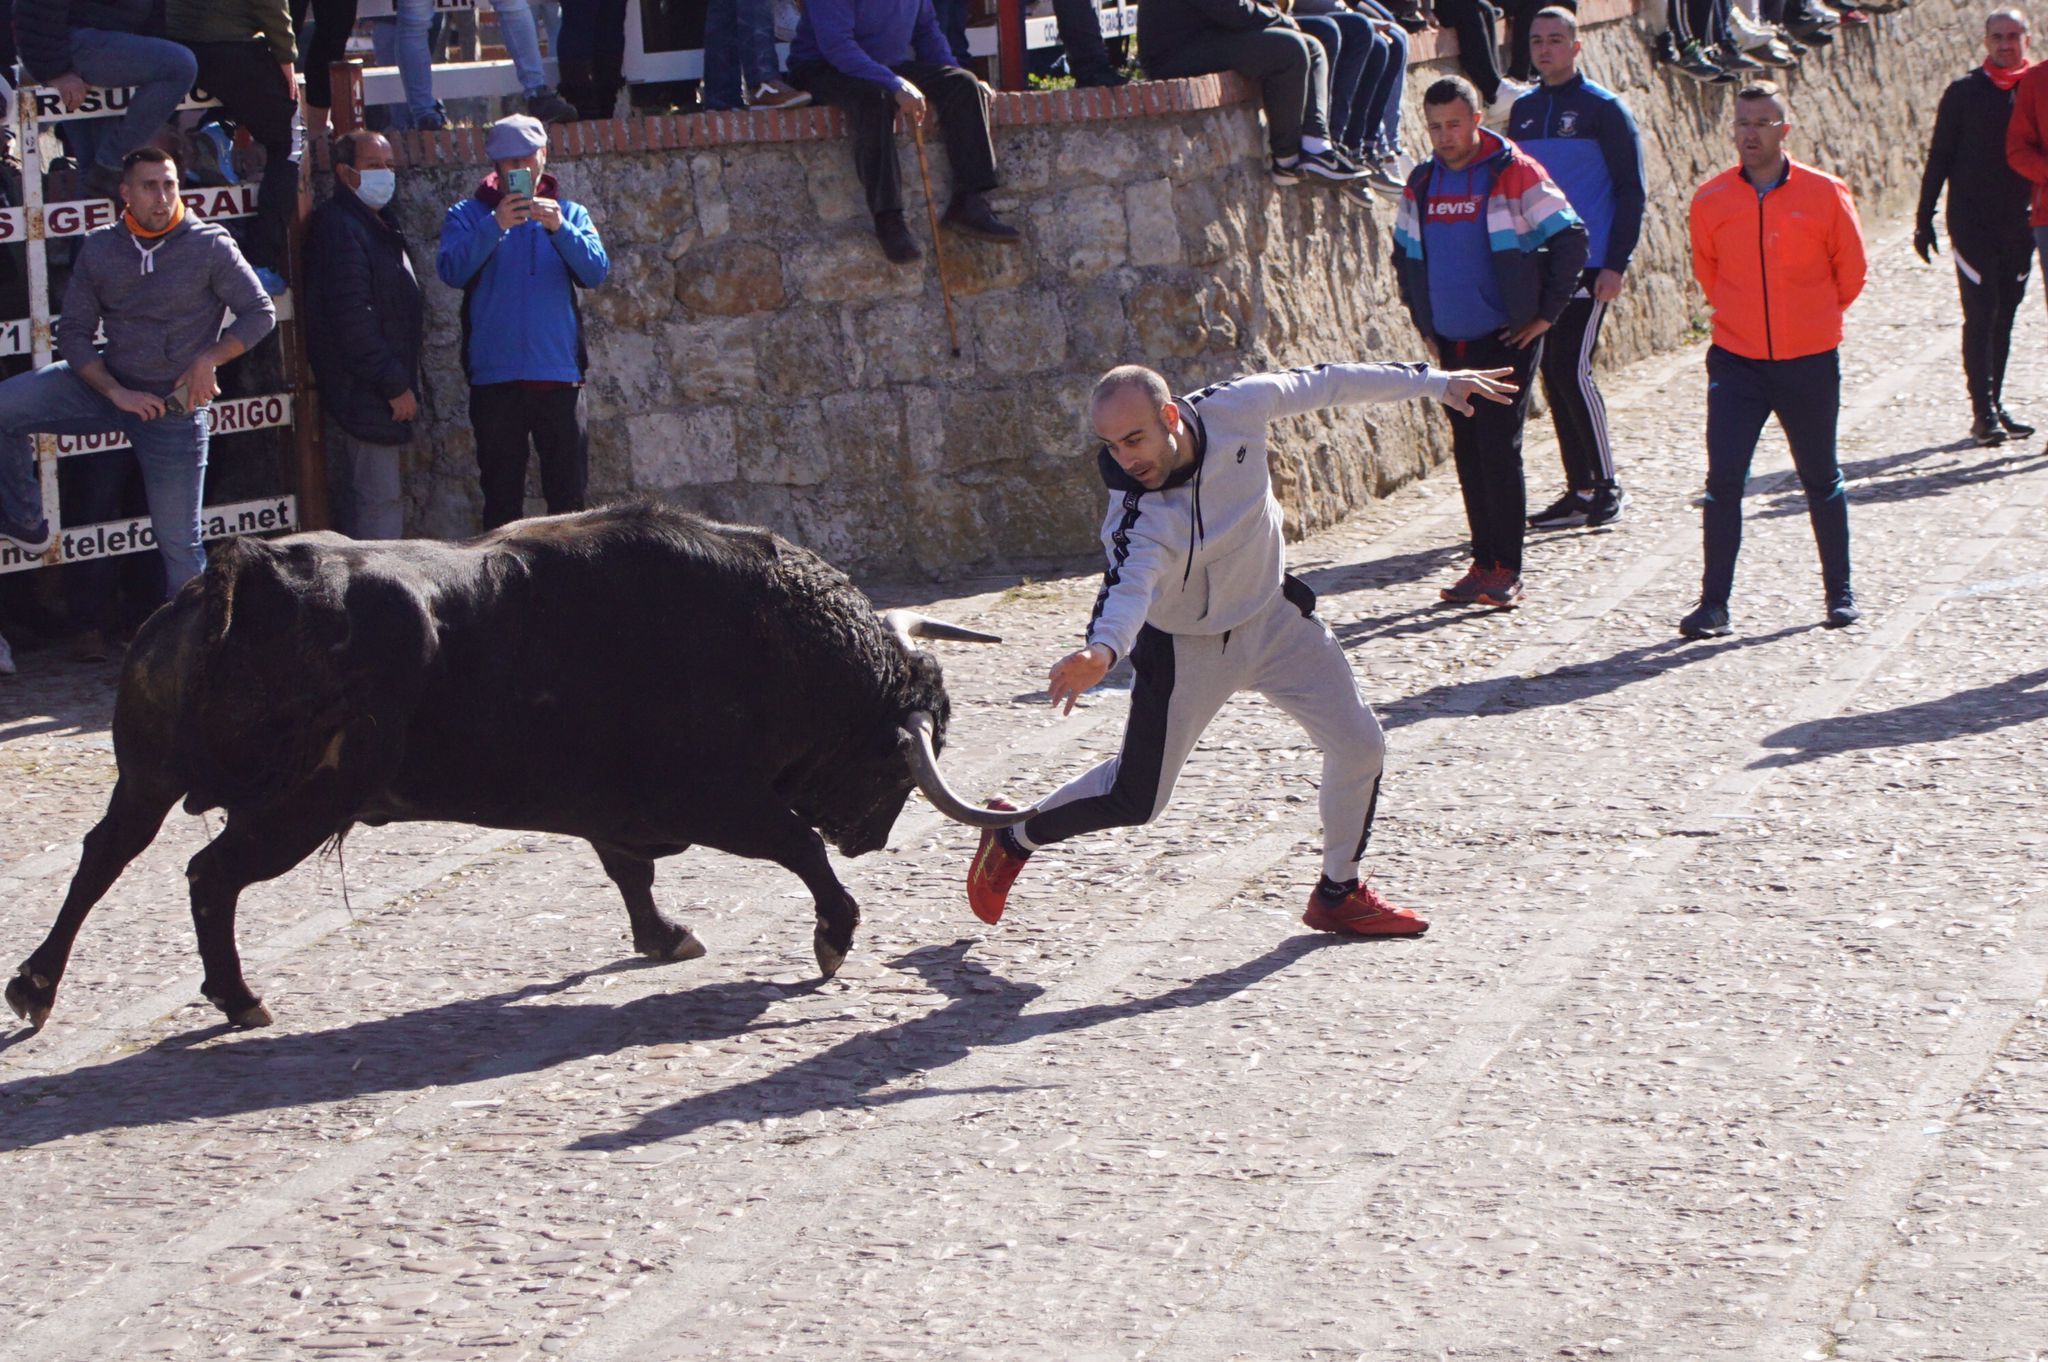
(28, 135)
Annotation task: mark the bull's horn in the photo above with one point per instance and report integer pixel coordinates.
(909, 626)
(924, 767)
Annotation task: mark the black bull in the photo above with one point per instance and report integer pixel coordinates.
(641, 678)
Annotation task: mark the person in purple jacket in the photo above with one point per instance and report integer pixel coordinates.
(873, 58)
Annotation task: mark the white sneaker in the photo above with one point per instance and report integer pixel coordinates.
(1504, 100)
(1749, 34)
(6, 657)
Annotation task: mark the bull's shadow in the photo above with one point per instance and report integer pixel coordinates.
(982, 1009)
(1983, 709)
(201, 1076)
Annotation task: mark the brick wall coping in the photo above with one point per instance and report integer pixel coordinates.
(684, 132)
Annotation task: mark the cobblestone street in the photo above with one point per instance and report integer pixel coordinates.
(1729, 1040)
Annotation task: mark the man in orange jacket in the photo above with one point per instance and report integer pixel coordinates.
(1779, 253)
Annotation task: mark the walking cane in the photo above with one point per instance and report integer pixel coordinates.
(931, 210)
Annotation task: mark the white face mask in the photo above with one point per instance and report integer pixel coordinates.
(377, 187)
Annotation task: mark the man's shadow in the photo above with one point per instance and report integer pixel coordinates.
(1984, 709)
(1870, 482)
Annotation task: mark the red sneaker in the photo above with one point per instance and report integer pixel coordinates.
(1500, 589)
(1362, 912)
(994, 870)
(1465, 591)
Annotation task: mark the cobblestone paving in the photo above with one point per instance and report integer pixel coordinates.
(1729, 1040)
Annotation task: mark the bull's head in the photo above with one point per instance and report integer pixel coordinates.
(914, 738)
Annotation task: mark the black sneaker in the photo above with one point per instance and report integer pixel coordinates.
(549, 107)
(1731, 59)
(1331, 165)
(2011, 424)
(897, 242)
(1706, 621)
(1694, 61)
(1842, 611)
(1608, 504)
(1986, 432)
(1284, 173)
(32, 538)
(1568, 512)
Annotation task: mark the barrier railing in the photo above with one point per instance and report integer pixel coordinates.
(33, 226)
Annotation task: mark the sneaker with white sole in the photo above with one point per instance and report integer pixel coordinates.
(1568, 512)
(1606, 507)
(1331, 165)
(775, 94)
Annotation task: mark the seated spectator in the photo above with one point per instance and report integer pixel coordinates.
(858, 56)
(73, 47)
(1360, 57)
(1203, 37)
(519, 259)
(1373, 138)
(741, 69)
(1476, 22)
(159, 279)
(516, 29)
(364, 315)
(247, 56)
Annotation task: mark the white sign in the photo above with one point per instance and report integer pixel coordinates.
(138, 534)
(227, 418)
(98, 103)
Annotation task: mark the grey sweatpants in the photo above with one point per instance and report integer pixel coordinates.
(1183, 680)
(364, 485)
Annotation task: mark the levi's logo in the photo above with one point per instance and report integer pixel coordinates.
(1452, 207)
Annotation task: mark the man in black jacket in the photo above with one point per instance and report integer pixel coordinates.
(364, 318)
(1987, 217)
(74, 45)
(1203, 37)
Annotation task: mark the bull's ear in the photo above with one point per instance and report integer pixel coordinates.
(226, 562)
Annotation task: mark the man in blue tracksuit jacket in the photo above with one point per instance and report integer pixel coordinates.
(519, 259)
(1585, 138)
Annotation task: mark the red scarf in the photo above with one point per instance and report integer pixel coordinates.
(2005, 77)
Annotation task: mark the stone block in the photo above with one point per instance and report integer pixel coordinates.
(1149, 217)
(905, 342)
(730, 279)
(712, 359)
(626, 373)
(975, 266)
(847, 266)
(765, 185)
(786, 445)
(1025, 159)
(802, 351)
(1018, 332)
(692, 447)
(707, 183)
(1081, 232)
(1204, 220)
(1098, 333)
(867, 436)
(1110, 154)
(835, 190)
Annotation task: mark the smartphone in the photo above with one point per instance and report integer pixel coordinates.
(520, 182)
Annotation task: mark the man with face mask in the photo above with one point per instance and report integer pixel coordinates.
(1197, 595)
(366, 313)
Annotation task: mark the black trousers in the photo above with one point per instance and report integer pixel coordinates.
(1487, 448)
(1080, 28)
(1473, 21)
(333, 21)
(1291, 68)
(1576, 406)
(245, 78)
(511, 419)
(1991, 270)
(1805, 394)
(960, 101)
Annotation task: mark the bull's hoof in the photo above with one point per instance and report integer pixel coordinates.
(30, 999)
(684, 945)
(250, 1017)
(830, 957)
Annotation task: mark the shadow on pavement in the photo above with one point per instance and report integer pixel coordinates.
(1870, 484)
(1985, 709)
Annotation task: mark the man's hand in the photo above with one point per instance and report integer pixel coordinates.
(145, 405)
(199, 382)
(291, 79)
(1079, 672)
(512, 210)
(1522, 337)
(910, 102)
(1467, 384)
(71, 89)
(1607, 285)
(405, 406)
(548, 213)
(1925, 243)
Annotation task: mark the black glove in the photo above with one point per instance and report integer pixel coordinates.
(1924, 242)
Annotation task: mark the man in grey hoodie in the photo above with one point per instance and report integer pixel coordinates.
(160, 281)
(1197, 595)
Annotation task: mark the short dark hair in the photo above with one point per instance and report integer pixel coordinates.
(342, 151)
(1766, 89)
(1568, 17)
(1132, 376)
(1449, 90)
(151, 155)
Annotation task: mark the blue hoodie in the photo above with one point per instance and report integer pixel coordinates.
(519, 307)
(864, 38)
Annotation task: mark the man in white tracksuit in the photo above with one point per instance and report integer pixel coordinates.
(1197, 596)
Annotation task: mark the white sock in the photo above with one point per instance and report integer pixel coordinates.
(1293, 160)
(1314, 145)
(1017, 831)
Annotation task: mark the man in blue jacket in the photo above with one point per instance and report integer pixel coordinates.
(1583, 135)
(365, 312)
(875, 58)
(519, 259)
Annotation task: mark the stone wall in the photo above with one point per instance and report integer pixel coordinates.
(755, 357)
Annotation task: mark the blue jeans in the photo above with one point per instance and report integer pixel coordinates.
(171, 450)
(1355, 54)
(1383, 105)
(161, 71)
(1805, 394)
(739, 51)
(415, 55)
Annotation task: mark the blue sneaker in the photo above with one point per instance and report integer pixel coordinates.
(34, 538)
(273, 282)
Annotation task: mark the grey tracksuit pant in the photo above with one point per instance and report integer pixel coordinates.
(1183, 680)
